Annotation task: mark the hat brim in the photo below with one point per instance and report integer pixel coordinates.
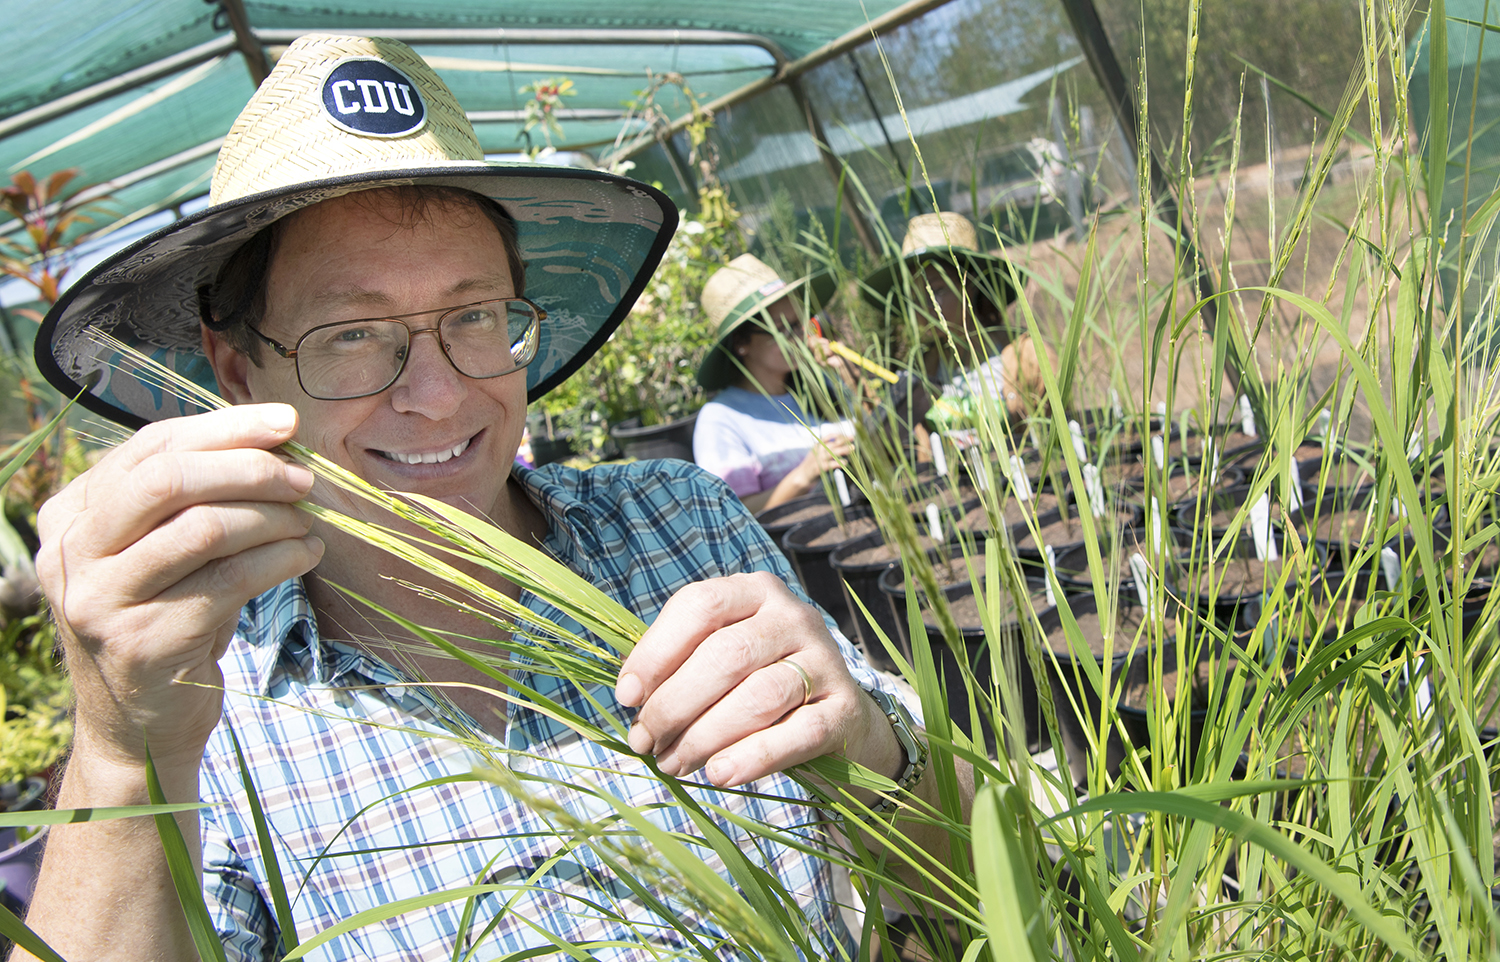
(878, 286)
(719, 369)
(590, 242)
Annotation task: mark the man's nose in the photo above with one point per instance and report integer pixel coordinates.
(429, 385)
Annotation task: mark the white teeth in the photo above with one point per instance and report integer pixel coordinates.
(436, 457)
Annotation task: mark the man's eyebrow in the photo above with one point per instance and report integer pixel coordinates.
(355, 295)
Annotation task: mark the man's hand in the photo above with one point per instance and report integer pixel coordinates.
(147, 559)
(715, 692)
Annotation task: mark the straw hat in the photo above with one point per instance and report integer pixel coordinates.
(338, 115)
(735, 295)
(941, 238)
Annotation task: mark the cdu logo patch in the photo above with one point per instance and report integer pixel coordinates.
(370, 97)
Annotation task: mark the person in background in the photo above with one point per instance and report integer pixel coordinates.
(956, 296)
(754, 434)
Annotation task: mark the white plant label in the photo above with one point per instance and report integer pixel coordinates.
(1142, 576)
(1210, 462)
(934, 524)
(1051, 567)
(1324, 421)
(1414, 444)
(1019, 479)
(939, 456)
(1390, 566)
(1036, 435)
(1260, 527)
(1156, 532)
(1158, 452)
(1160, 408)
(1294, 484)
(1247, 416)
(842, 484)
(1095, 489)
(981, 477)
(1114, 405)
(1078, 446)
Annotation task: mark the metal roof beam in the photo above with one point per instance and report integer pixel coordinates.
(104, 188)
(593, 36)
(256, 60)
(898, 17)
(165, 67)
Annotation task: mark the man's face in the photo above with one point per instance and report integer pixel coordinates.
(966, 309)
(359, 256)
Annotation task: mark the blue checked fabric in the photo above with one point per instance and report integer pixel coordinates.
(370, 799)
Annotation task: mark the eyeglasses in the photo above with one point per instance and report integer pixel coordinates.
(354, 359)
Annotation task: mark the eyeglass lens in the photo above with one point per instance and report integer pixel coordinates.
(357, 358)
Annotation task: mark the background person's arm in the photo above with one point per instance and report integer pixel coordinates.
(146, 560)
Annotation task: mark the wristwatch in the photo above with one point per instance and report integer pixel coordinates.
(915, 747)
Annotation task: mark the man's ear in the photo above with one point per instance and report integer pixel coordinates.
(231, 367)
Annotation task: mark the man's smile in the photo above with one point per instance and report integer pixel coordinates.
(428, 457)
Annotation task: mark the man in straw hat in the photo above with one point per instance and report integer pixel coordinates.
(353, 215)
(754, 433)
(955, 295)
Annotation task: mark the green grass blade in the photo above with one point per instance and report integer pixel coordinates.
(274, 879)
(185, 877)
(15, 930)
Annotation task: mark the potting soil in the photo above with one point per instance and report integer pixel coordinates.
(1127, 624)
(855, 528)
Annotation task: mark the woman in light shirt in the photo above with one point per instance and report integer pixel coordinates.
(754, 434)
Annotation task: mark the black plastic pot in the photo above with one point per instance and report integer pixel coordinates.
(813, 568)
(1070, 686)
(1341, 554)
(892, 584)
(671, 440)
(779, 520)
(862, 581)
(1237, 610)
(978, 662)
(546, 450)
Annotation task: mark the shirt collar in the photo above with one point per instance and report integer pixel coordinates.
(281, 622)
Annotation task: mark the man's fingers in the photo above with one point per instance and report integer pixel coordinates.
(205, 533)
(762, 699)
(688, 617)
(129, 507)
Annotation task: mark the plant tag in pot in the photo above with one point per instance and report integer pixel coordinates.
(1019, 479)
(842, 483)
(1294, 485)
(1210, 463)
(1390, 566)
(939, 456)
(1095, 489)
(1156, 533)
(1114, 405)
(1158, 452)
(1078, 446)
(1052, 572)
(981, 475)
(1247, 416)
(1260, 527)
(1324, 421)
(1142, 575)
(934, 524)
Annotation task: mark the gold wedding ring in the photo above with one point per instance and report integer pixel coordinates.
(806, 679)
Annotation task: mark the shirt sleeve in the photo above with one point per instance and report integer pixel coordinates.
(720, 448)
(239, 914)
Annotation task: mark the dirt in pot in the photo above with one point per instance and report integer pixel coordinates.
(965, 609)
(1236, 577)
(1128, 621)
(807, 513)
(851, 529)
(884, 552)
(1207, 675)
(1069, 531)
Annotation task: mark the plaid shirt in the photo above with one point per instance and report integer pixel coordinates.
(348, 770)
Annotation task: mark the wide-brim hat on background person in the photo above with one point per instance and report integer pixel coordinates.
(941, 238)
(335, 116)
(736, 295)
